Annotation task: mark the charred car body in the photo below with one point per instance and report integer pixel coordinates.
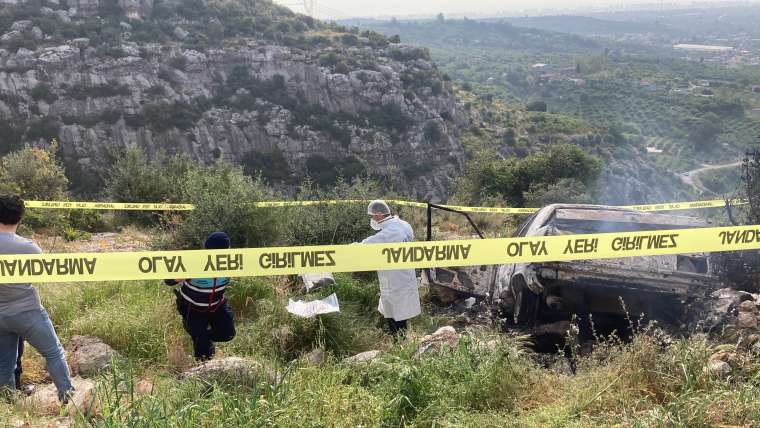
(656, 286)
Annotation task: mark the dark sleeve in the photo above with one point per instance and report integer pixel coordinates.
(171, 282)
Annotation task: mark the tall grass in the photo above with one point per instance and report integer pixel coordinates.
(488, 379)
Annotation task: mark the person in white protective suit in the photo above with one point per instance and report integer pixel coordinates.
(399, 296)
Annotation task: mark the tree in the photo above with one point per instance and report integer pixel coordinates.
(34, 173)
(539, 106)
(705, 131)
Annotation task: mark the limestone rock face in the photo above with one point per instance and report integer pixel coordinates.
(379, 116)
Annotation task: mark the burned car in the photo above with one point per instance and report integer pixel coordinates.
(656, 286)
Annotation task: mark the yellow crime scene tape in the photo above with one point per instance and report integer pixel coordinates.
(670, 206)
(79, 267)
(129, 206)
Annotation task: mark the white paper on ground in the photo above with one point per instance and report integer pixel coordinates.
(316, 307)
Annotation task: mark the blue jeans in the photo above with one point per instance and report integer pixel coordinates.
(35, 327)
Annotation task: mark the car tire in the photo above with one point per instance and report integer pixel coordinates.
(525, 307)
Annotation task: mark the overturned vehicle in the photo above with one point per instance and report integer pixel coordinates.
(658, 287)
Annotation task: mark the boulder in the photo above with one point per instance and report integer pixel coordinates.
(11, 36)
(364, 357)
(37, 33)
(21, 25)
(443, 337)
(229, 371)
(718, 368)
(746, 320)
(747, 306)
(44, 400)
(88, 356)
(180, 33)
(316, 357)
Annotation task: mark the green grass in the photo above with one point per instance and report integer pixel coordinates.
(489, 379)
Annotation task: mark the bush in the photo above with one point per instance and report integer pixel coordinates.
(539, 106)
(223, 198)
(81, 91)
(538, 177)
(332, 224)
(270, 164)
(432, 132)
(325, 172)
(46, 128)
(35, 174)
(134, 177)
(43, 92)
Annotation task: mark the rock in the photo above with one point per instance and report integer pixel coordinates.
(44, 400)
(229, 371)
(21, 25)
(718, 368)
(37, 33)
(11, 36)
(364, 357)
(315, 281)
(81, 42)
(746, 320)
(88, 356)
(747, 306)
(443, 337)
(143, 387)
(180, 33)
(316, 357)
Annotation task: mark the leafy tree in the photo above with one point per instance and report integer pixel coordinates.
(34, 173)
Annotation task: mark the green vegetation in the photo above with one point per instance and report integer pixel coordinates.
(562, 171)
(488, 379)
(693, 111)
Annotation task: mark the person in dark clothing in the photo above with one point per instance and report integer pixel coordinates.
(17, 372)
(206, 316)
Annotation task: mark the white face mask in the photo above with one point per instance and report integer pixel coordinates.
(378, 225)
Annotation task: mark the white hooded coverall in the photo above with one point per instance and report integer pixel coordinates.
(399, 296)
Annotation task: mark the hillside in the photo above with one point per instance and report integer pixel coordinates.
(244, 81)
(683, 111)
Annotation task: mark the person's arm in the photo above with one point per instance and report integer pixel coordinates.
(380, 237)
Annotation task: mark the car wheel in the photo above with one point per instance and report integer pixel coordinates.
(525, 307)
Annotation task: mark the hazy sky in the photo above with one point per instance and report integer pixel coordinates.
(351, 8)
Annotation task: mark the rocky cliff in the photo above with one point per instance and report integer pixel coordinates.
(244, 81)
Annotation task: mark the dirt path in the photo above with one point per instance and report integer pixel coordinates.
(690, 177)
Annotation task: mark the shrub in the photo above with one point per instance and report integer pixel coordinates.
(539, 106)
(35, 174)
(223, 198)
(179, 62)
(45, 128)
(325, 172)
(81, 91)
(539, 175)
(332, 224)
(432, 132)
(134, 177)
(43, 92)
(270, 164)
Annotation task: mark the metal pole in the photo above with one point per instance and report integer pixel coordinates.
(429, 222)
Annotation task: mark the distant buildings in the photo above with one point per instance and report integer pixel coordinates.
(715, 49)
